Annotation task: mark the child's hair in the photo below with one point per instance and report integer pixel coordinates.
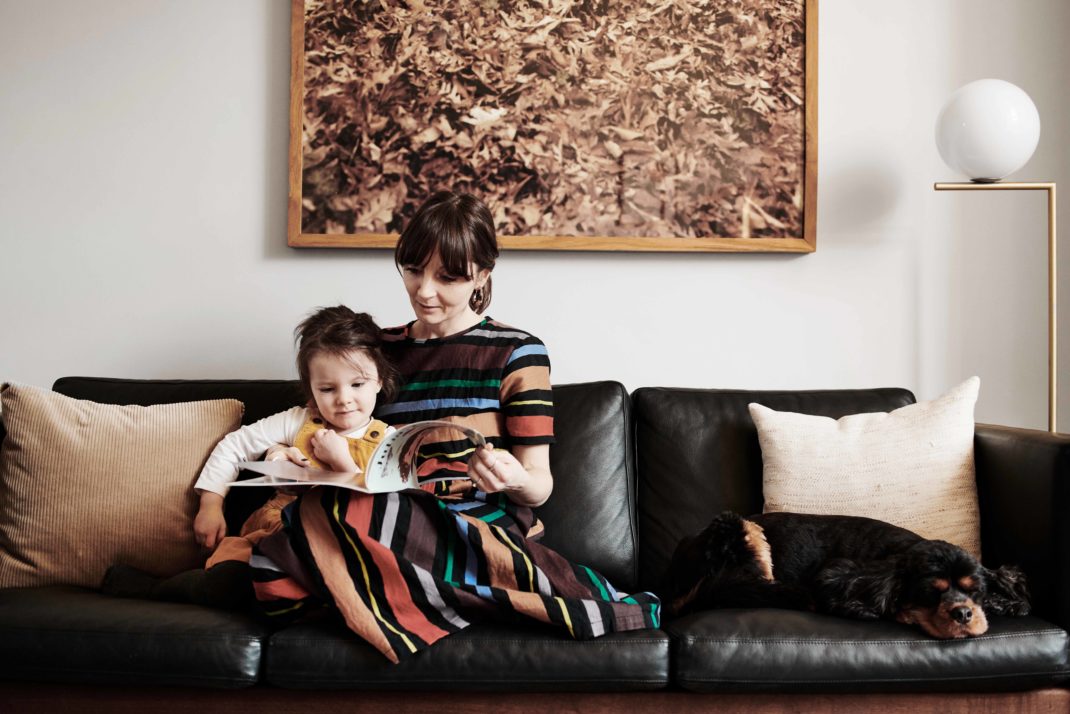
(460, 228)
(337, 331)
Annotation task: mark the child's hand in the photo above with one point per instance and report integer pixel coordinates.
(290, 453)
(333, 449)
(210, 527)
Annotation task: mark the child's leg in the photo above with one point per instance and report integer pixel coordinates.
(227, 585)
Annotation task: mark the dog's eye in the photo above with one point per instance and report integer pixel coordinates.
(940, 585)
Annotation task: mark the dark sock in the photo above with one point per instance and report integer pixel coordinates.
(228, 585)
(124, 581)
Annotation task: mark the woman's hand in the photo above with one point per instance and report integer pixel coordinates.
(210, 527)
(524, 477)
(333, 449)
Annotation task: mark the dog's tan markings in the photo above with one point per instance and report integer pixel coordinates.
(978, 624)
(939, 623)
(967, 582)
(681, 602)
(942, 585)
(754, 537)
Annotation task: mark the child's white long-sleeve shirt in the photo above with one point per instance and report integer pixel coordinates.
(249, 442)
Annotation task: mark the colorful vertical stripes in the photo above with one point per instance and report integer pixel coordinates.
(406, 569)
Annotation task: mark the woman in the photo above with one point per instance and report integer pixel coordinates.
(406, 569)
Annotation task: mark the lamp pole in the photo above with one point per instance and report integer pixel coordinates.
(1053, 341)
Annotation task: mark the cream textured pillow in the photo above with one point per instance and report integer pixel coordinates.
(912, 466)
(86, 485)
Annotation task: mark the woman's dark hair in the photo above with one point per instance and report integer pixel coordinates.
(460, 228)
(337, 331)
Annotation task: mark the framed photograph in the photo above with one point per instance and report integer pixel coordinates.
(655, 125)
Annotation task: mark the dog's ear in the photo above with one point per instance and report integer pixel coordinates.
(719, 546)
(1006, 591)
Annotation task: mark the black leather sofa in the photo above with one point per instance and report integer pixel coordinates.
(633, 474)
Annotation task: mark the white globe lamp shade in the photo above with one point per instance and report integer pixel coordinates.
(987, 130)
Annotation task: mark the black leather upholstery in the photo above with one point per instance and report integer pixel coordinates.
(324, 655)
(261, 397)
(1023, 485)
(698, 454)
(66, 634)
(780, 650)
(594, 481)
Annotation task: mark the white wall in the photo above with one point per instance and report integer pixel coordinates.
(143, 209)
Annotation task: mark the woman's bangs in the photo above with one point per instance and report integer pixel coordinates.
(453, 249)
(435, 235)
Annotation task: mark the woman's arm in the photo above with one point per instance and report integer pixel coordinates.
(523, 474)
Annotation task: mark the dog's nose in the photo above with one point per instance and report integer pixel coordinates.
(961, 614)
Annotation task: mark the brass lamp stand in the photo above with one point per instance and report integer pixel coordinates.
(1052, 284)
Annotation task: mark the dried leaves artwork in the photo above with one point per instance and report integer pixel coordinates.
(674, 118)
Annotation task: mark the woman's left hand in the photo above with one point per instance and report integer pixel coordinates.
(494, 471)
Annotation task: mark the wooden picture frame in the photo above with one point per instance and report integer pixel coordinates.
(370, 109)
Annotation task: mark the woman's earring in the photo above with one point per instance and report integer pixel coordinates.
(477, 296)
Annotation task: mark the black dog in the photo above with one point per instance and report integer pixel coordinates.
(841, 565)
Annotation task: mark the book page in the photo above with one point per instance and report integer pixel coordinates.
(287, 473)
(392, 466)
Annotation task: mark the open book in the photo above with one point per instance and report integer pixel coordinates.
(392, 466)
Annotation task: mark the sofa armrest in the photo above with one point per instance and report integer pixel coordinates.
(1023, 484)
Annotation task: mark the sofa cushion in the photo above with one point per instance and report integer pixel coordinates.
(785, 651)
(912, 466)
(261, 397)
(86, 485)
(68, 634)
(698, 455)
(590, 517)
(322, 654)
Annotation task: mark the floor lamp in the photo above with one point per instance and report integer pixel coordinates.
(987, 130)
(1053, 341)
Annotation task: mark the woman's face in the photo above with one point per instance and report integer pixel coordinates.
(440, 300)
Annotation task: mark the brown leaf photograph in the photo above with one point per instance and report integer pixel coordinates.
(583, 124)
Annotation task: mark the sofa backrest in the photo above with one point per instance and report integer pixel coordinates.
(697, 454)
(590, 517)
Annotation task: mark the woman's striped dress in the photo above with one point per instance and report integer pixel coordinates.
(406, 569)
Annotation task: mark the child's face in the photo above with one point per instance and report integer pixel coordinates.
(344, 387)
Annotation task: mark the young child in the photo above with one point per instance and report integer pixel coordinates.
(342, 371)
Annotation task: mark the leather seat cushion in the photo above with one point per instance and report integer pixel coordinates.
(74, 635)
(322, 654)
(782, 651)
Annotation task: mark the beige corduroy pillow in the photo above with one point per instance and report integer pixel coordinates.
(913, 466)
(86, 485)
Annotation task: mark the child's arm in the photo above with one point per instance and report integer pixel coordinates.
(221, 469)
(209, 527)
(245, 444)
